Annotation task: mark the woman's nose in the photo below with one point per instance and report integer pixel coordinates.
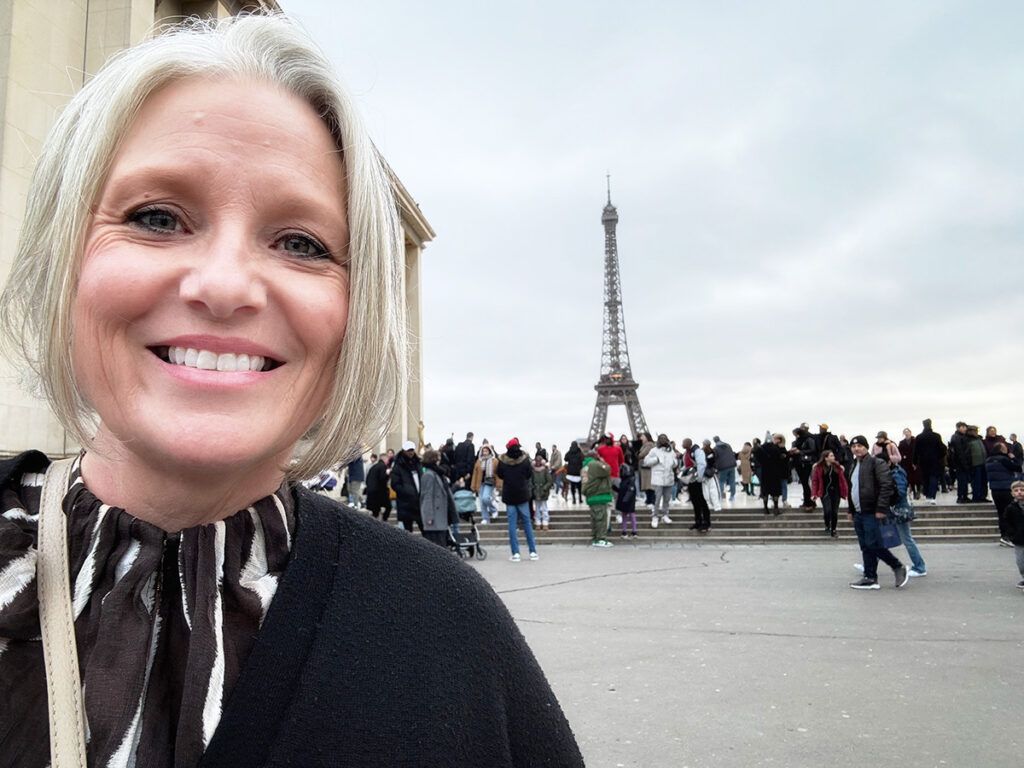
(225, 279)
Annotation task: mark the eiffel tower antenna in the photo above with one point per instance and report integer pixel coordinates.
(615, 385)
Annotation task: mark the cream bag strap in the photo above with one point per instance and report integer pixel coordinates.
(63, 684)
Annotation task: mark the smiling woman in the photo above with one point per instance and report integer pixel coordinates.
(208, 274)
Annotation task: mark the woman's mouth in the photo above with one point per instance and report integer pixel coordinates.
(205, 360)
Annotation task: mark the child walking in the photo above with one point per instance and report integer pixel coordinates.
(1013, 517)
(625, 500)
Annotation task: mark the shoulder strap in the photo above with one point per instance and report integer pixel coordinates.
(63, 684)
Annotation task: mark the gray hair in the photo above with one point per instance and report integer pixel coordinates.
(36, 304)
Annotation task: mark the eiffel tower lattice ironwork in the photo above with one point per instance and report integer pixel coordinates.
(616, 385)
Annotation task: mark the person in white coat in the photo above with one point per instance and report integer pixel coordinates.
(661, 460)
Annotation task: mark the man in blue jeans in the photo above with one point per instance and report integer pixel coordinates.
(516, 474)
(871, 493)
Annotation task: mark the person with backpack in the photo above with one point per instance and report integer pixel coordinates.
(597, 489)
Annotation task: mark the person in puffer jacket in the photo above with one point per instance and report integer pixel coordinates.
(1002, 469)
(597, 488)
(661, 461)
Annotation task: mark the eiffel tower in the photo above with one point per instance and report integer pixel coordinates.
(616, 384)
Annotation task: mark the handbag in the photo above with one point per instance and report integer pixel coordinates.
(57, 625)
(902, 512)
(890, 534)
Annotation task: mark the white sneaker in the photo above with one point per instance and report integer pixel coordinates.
(933, 503)
(618, 519)
(666, 520)
(654, 522)
(858, 567)
(515, 558)
(485, 522)
(534, 556)
(914, 573)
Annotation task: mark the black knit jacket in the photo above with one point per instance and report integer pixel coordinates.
(382, 649)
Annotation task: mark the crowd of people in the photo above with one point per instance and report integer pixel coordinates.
(629, 477)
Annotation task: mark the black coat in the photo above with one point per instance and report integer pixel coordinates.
(377, 486)
(465, 458)
(1013, 519)
(516, 478)
(574, 461)
(960, 452)
(877, 489)
(1002, 470)
(407, 491)
(774, 466)
(929, 451)
(625, 499)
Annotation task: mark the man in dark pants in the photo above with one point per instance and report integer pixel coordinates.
(465, 458)
(871, 492)
(804, 453)
(960, 460)
(929, 451)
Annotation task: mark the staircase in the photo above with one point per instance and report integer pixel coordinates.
(744, 522)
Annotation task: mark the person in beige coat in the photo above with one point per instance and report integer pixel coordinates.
(746, 469)
(647, 445)
(485, 483)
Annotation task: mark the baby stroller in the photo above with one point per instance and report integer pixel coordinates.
(466, 544)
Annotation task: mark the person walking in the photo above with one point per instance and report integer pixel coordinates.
(437, 505)
(485, 483)
(516, 475)
(542, 482)
(929, 454)
(1002, 469)
(695, 462)
(725, 464)
(828, 483)
(405, 482)
(597, 489)
(661, 462)
(902, 513)
(871, 492)
(574, 471)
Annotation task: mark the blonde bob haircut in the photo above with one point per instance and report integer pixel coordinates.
(35, 308)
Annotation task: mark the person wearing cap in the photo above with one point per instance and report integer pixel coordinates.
(871, 492)
(516, 475)
(405, 482)
(929, 454)
(885, 449)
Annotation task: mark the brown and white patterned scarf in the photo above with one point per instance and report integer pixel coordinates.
(164, 623)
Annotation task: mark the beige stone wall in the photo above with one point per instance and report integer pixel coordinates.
(46, 49)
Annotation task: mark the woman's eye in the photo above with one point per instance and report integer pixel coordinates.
(155, 220)
(302, 247)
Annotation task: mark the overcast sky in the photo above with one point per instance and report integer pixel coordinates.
(820, 206)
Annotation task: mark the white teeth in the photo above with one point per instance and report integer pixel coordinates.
(206, 360)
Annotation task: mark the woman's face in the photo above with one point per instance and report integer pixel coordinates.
(830, 458)
(212, 302)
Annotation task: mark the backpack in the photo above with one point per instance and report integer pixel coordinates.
(901, 510)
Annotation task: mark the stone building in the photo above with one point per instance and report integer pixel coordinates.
(47, 49)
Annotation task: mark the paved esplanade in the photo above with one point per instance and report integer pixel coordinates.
(761, 655)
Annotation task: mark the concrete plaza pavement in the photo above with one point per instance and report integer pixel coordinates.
(703, 655)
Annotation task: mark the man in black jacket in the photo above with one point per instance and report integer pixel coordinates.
(960, 460)
(405, 482)
(929, 451)
(804, 454)
(465, 457)
(871, 493)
